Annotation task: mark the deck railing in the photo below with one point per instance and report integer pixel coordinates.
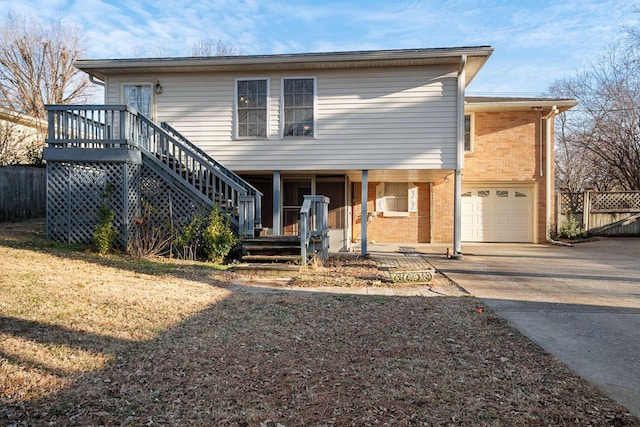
(119, 126)
(314, 229)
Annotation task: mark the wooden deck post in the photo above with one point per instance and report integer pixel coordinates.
(364, 213)
(277, 223)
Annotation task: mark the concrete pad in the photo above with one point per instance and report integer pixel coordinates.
(581, 303)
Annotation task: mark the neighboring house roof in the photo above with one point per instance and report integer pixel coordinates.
(9, 115)
(488, 103)
(476, 56)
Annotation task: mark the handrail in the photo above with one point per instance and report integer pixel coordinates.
(314, 229)
(115, 126)
(252, 190)
(164, 144)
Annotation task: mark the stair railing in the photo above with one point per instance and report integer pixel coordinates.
(119, 126)
(314, 229)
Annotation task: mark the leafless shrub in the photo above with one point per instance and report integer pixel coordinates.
(149, 237)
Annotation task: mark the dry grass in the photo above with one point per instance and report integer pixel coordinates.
(89, 340)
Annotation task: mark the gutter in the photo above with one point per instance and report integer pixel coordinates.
(95, 81)
(548, 120)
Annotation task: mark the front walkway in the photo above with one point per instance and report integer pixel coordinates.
(387, 257)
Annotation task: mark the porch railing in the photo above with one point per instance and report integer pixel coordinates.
(314, 228)
(118, 126)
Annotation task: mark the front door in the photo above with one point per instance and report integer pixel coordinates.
(293, 191)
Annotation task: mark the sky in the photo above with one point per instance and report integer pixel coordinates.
(535, 42)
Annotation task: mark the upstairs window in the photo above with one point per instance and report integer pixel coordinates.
(252, 111)
(468, 132)
(298, 105)
(138, 96)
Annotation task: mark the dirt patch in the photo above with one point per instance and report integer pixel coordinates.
(90, 340)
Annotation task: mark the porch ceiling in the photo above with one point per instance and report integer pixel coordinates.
(392, 175)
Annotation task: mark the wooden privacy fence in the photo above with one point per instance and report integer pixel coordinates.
(605, 213)
(23, 193)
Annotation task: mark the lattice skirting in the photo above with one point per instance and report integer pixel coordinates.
(75, 192)
(164, 202)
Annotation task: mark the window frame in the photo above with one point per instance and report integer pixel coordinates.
(402, 195)
(472, 126)
(152, 99)
(283, 108)
(236, 121)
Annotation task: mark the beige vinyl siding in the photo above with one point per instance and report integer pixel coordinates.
(366, 119)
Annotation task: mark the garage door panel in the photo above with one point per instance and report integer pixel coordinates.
(499, 214)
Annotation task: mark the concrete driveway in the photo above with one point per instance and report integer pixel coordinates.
(581, 303)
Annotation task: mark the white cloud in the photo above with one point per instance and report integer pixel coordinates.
(534, 42)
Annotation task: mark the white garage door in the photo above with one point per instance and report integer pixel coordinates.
(497, 214)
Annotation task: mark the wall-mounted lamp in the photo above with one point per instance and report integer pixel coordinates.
(158, 87)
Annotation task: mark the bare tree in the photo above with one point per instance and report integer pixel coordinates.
(212, 48)
(36, 65)
(599, 142)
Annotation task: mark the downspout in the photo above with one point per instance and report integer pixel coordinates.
(457, 184)
(95, 81)
(548, 120)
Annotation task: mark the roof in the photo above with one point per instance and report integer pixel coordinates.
(488, 103)
(10, 115)
(476, 57)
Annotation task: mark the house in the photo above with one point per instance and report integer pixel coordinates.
(21, 137)
(388, 136)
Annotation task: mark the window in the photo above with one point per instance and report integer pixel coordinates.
(298, 105)
(397, 198)
(251, 104)
(468, 132)
(138, 96)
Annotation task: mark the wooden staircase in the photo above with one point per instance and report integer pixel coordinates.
(272, 256)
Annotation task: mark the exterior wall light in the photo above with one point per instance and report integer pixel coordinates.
(158, 87)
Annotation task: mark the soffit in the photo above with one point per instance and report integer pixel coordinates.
(476, 57)
(487, 104)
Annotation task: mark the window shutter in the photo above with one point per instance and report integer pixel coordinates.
(413, 198)
(381, 203)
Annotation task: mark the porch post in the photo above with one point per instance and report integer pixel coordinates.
(363, 217)
(457, 183)
(277, 223)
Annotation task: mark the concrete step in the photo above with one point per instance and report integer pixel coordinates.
(253, 258)
(268, 269)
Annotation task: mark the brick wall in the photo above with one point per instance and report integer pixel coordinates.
(412, 229)
(506, 149)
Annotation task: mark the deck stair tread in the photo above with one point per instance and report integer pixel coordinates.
(271, 258)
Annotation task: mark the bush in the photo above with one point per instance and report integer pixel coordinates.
(218, 239)
(149, 236)
(187, 242)
(104, 233)
(571, 229)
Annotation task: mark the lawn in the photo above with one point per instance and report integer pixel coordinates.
(91, 340)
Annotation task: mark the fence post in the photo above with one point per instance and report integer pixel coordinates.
(586, 209)
(558, 209)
